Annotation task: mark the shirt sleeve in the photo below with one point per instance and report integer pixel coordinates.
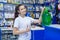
(32, 20)
(16, 23)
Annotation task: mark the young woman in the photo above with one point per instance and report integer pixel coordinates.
(22, 24)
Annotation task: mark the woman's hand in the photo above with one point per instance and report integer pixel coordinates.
(28, 29)
(17, 32)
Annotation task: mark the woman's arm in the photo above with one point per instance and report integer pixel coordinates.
(17, 32)
(40, 19)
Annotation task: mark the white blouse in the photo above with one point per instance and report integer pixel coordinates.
(22, 23)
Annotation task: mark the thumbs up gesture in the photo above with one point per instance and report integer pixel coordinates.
(28, 29)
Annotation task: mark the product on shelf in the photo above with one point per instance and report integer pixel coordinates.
(7, 34)
(41, 7)
(30, 7)
(21, 1)
(1, 0)
(9, 15)
(46, 17)
(37, 15)
(58, 15)
(53, 0)
(34, 1)
(17, 1)
(13, 1)
(31, 1)
(9, 7)
(58, 18)
(32, 15)
(37, 8)
(13, 7)
(9, 1)
(1, 19)
(24, 1)
(41, 1)
(1, 6)
(28, 14)
(1, 15)
(58, 1)
(5, 1)
(1, 23)
(27, 1)
(47, 0)
(9, 23)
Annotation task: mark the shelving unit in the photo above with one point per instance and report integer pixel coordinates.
(7, 34)
(7, 8)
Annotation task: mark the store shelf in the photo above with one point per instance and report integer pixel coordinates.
(32, 6)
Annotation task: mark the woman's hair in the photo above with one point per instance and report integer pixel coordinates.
(17, 8)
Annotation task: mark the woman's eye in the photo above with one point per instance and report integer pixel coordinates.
(23, 8)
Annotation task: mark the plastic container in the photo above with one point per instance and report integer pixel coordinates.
(46, 17)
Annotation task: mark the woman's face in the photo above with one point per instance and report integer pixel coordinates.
(22, 10)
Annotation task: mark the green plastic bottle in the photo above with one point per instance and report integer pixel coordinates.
(46, 17)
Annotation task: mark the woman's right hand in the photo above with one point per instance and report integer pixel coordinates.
(28, 29)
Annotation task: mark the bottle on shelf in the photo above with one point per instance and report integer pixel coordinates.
(41, 1)
(1, 6)
(32, 15)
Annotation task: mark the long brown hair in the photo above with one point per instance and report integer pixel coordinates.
(17, 8)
